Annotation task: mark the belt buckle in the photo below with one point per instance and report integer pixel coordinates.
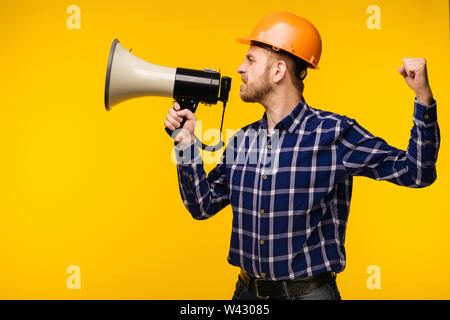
(257, 290)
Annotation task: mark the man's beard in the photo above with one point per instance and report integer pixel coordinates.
(256, 91)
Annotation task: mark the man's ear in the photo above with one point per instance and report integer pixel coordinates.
(280, 71)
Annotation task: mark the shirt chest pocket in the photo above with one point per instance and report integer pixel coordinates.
(243, 177)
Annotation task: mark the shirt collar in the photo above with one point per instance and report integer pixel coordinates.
(292, 120)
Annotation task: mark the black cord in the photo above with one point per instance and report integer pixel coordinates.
(220, 144)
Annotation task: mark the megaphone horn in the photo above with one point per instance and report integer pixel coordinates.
(129, 77)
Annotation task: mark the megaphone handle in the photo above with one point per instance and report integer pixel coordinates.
(185, 103)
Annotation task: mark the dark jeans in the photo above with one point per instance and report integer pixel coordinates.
(328, 291)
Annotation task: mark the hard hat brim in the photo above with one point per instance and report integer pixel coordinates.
(249, 41)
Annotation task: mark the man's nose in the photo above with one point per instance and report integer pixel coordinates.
(241, 69)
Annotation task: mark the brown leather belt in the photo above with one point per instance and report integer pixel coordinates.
(270, 289)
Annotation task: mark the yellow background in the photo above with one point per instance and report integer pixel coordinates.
(81, 186)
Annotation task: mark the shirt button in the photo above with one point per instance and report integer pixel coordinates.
(269, 146)
(264, 177)
(190, 179)
(261, 211)
(426, 116)
(261, 242)
(263, 274)
(428, 141)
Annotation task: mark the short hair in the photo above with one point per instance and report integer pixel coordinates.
(297, 68)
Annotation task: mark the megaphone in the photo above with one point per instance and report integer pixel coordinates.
(128, 77)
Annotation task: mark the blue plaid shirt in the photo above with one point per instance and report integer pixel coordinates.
(290, 195)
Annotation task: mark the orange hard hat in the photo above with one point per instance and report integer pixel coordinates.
(291, 33)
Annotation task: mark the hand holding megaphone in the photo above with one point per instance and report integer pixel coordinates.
(183, 123)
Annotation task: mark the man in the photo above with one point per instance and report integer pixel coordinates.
(288, 176)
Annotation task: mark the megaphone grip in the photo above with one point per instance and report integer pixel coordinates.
(169, 132)
(185, 103)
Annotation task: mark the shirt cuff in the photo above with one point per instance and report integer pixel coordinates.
(425, 116)
(188, 155)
